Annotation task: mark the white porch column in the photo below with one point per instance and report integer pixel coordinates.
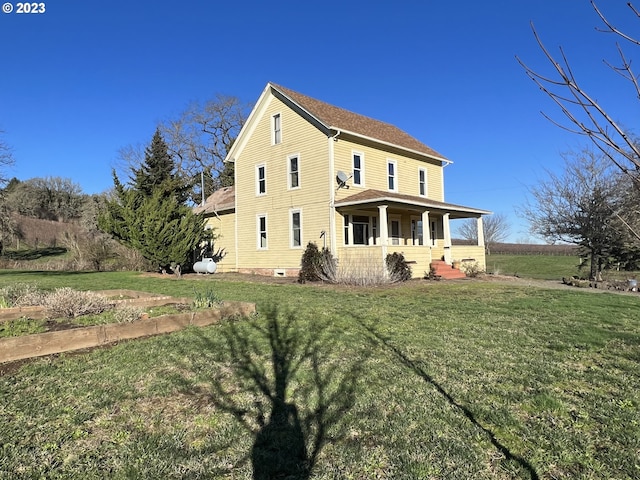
(384, 230)
(447, 238)
(480, 233)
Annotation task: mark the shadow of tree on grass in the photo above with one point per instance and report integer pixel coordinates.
(379, 339)
(278, 378)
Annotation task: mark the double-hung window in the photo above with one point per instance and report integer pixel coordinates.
(392, 175)
(261, 179)
(276, 125)
(293, 165)
(296, 228)
(358, 168)
(261, 230)
(422, 182)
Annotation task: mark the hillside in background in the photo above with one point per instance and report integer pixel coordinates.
(37, 233)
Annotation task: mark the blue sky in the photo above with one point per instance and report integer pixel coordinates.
(86, 78)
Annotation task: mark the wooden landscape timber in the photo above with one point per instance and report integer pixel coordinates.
(37, 345)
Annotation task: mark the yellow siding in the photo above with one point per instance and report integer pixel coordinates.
(224, 229)
(312, 198)
(470, 254)
(375, 169)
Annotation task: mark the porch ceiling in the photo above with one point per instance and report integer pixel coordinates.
(372, 198)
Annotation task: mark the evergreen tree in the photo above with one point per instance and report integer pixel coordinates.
(149, 215)
(158, 172)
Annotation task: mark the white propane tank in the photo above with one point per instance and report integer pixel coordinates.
(206, 265)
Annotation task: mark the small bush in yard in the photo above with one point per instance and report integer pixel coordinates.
(471, 269)
(205, 299)
(317, 265)
(127, 313)
(68, 303)
(399, 270)
(310, 264)
(22, 295)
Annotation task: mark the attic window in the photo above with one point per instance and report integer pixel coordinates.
(277, 129)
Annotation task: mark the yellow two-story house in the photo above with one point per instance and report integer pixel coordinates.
(309, 171)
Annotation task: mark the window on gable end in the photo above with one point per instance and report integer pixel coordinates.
(277, 129)
(261, 179)
(261, 227)
(294, 171)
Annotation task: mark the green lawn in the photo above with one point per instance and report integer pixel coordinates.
(543, 267)
(428, 380)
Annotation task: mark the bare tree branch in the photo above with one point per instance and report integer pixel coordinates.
(6, 159)
(585, 115)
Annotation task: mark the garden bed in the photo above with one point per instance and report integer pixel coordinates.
(64, 336)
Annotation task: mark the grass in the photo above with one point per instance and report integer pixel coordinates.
(543, 267)
(425, 380)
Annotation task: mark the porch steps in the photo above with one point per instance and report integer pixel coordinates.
(445, 271)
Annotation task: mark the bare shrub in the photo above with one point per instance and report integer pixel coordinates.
(471, 269)
(358, 270)
(127, 313)
(398, 268)
(68, 303)
(22, 295)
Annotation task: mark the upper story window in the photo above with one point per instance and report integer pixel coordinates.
(261, 179)
(422, 180)
(392, 175)
(294, 171)
(358, 168)
(276, 125)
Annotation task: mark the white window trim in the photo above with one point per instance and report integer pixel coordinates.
(395, 175)
(295, 155)
(258, 231)
(291, 212)
(258, 192)
(426, 189)
(273, 128)
(361, 155)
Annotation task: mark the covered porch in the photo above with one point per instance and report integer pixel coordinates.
(376, 223)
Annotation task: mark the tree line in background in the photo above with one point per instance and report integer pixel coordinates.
(146, 219)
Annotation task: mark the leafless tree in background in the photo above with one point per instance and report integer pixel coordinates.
(584, 114)
(587, 117)
(198, 139)
(494, 227)
(579, 207)
(7, 224)
(6, 159)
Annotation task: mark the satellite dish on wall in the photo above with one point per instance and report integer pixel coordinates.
(342, 179)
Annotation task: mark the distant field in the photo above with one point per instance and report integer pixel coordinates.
(542, 267)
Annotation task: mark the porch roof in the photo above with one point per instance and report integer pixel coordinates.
(372, 198)
(219, 201)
